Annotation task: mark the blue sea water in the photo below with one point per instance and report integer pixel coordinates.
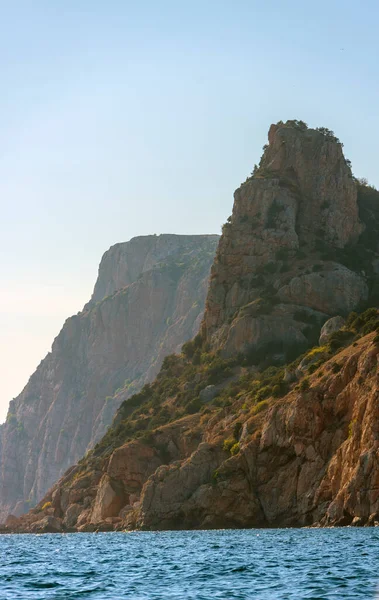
(281, 564)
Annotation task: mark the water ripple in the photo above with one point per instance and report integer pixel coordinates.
(307, 564)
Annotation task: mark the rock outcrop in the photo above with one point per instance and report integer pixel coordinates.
(331, 326)
(148, 299)
(309, 458)
(283, 244)
(250, 426)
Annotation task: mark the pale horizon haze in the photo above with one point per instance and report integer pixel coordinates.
(121, 119)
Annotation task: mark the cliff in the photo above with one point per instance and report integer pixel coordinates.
(148, 299)
(284, 251)
(269, 416)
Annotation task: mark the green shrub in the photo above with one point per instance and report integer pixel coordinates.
(188, 349)
(339, 339)
(285, 267)
(270, 267)
(257, 281)
(215, 476)
(228, 444)
(259, 407)
(147, 438)
(196, 359)
(263, 393)
(272, 214)
(194, 406)
(281, 254)
(351, 428)
(237, 430)
(235, 449)
(11, 419)
(304, 384)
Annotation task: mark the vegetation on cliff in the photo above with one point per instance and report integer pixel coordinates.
(257, 422)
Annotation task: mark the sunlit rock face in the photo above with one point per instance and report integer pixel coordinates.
(290, 220)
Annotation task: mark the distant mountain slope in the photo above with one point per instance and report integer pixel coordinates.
(148, 299)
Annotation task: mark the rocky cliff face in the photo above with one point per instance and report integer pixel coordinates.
(148, 299)
(280, 253)
(250, 425)
(308, 458)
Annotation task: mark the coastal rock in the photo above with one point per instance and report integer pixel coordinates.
(308, 465)
(132, 464)
(110, 498)
(170, 486)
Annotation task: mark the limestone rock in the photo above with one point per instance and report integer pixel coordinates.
(331, 326)
(328, 196)
(148, 300)
(10, 521)
(165, 492)
(109, 500)
(208, 393)
(306, 454)
(71, 515)
(47, 525)
(330, 292)
(295, 211)
(132, 464)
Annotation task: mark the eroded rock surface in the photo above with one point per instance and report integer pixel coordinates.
(290, 221)
(275, 446)
(310, 458)
(148, 299)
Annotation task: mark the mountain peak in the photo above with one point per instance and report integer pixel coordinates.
(280, 251)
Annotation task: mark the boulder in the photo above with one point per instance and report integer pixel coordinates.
(208, 393)
(331, 326)
(10, 521)
(313, 357)
(109, 500)
(72, 514)
(48, 524)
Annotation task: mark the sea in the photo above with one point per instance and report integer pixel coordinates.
(269, 564)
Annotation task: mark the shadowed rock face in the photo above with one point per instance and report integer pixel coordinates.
(148, 300)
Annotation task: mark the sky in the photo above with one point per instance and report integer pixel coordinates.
(121, 118)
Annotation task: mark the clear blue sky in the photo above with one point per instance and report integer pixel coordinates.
(120, 118)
